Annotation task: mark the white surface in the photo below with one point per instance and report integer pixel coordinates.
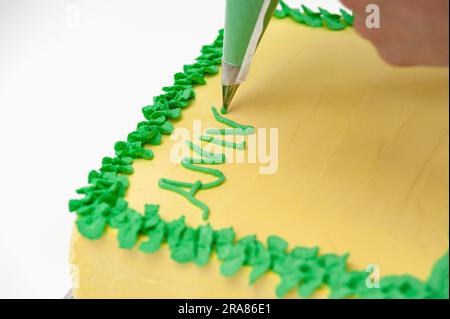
(74, 75)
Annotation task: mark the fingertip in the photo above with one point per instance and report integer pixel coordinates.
(393, 58)
(354, 5)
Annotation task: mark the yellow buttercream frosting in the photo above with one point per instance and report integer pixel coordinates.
(362, 167)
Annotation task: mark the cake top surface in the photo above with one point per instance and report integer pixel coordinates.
(347, 173)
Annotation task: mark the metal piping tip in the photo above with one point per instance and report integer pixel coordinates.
(228, 92)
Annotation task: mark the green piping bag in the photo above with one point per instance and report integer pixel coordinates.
(245, 24)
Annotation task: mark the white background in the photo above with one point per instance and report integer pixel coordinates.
(74, 75)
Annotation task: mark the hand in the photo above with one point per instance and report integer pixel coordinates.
(412, 32)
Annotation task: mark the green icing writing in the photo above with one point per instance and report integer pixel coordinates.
(227, 131)
(300, 269)
(210, 139)
(205, 156)
(314, 19)
(167, 185)
(189, 190)
(219, 118)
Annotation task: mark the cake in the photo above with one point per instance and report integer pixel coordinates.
(348, 182)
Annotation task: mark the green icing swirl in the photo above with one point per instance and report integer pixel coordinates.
(303, 269)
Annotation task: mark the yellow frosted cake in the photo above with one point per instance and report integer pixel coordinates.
(329, 176)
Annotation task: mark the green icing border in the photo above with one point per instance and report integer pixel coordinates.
(323, 18)
(300, 268)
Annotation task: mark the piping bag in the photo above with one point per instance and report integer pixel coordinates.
(245, 24)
